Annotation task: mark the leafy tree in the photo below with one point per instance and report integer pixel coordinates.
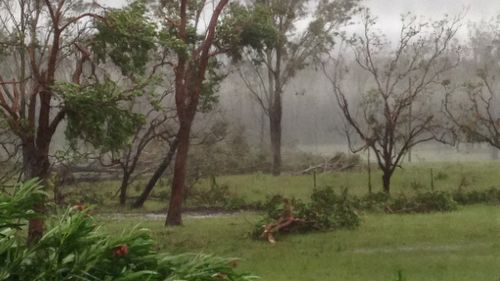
(195, 65)
(294, 48)
(52, 72)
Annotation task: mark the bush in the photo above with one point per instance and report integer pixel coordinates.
(426, 202)
(216, 196)
(75, 248)
(17, 206)
(373, 201)
(491, 195)
(326, 211)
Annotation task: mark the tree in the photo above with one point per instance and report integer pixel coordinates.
(472, 107)
(160, 169)
(195, 67)
(130, 160)
(267, 73)
(404, 79)
(51, 73)
(9, 154)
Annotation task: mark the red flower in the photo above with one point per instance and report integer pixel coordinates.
(120, 250)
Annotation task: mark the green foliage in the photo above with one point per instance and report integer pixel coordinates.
(216, 196)
(200, 267)
(126, 37)
(425, 202)
(168, 38)
(250, 27)
(491, 195)
(94, 115)
(75, 248)
(374, 201)
(18, 206)
(459, 246)
(210, 87)
(325, 211)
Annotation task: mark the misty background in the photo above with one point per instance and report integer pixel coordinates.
(312, 121)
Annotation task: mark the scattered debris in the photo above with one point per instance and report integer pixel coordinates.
(339, 162)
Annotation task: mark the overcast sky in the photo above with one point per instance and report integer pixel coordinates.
(389, 11)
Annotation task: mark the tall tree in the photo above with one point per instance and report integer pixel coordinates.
(51, 73)
(267, 73)
(197, 33)
(405, 78)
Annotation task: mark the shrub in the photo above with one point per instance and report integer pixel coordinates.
(326, 211)
(75, 248)
(433, 201)
(491, 195)
(18, 205)
(216, 196)
(345, 214)
(373, 201)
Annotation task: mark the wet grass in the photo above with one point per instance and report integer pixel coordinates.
(409, 179)
(459, 246)
(462, 245)
(256, 187)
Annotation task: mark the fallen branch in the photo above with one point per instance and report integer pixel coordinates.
(285, 220)
(339, 162)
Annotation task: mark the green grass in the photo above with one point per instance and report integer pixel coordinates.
(256, 187)
(447, 176)
(462, 245)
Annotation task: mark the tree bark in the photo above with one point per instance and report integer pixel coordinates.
(275, 114)
(386, 181)
(36, 165)
(124, 187)
(189, 77)
(275, 133)
(156, 176)
(174, 215)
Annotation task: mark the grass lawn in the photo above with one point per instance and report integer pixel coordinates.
(412, 177)
(256, 187)
(462, 245)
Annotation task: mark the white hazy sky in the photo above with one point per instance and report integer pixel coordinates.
(389, 11)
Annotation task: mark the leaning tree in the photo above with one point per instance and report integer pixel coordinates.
(397, 112)
(52, 70)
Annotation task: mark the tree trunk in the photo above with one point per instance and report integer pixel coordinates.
(36, 165)
(156, 176)
(386, 181)
(369, 173)
(124, 187)
(275, 132)
(174, 215)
